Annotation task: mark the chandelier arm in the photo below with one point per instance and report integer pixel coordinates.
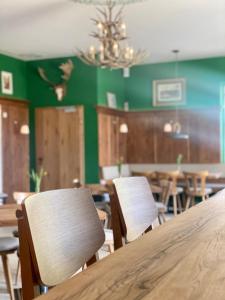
(112, 31)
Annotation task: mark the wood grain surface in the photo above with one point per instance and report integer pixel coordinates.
(182, 259)
(60, 146)
(146, 142)
(8, 215)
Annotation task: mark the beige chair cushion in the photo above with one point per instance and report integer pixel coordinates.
(8, 244)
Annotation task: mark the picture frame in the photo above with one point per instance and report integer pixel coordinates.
(6, 83)
(111, 100)
(168, 92)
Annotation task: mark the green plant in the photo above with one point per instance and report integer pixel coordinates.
(179, 159)
(119, 164)
(36, 177)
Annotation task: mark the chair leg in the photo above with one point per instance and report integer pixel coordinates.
(111, 248)
(8, 276)
(17, 272)
(160, 222)
(179, 204)
(188, 202)
(163, 217)
(175, 205)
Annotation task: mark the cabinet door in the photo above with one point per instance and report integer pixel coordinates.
(111, 143)
(15, 149)
(59, 146)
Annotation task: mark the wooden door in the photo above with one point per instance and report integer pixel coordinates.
(111, 143)
(60, 145)
(15, 149)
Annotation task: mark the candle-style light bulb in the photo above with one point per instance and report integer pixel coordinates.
(116, 49)
(123, 30)
(100, 28)
(131, 53)
(101, 52)
(92, 52)
(127, 53)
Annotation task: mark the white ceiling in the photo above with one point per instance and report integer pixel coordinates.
(32, 29)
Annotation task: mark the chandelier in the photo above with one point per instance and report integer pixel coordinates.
(113, 51)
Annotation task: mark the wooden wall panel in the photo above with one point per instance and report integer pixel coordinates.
(141, 138)
(15, 149)
(59, 146)
(205, 135)
(167, 149)
(147, 143)
(112, 143)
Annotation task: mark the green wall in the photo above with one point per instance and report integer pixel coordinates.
(88, 86)
(110, 81)
(19, 71)
(82, 89)
(204, 78)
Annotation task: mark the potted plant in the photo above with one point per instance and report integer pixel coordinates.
(179, 161)
(36, 177)
(119, 165)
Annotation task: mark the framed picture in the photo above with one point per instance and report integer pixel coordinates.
(7, 83)
(111, 100)
(169, 92)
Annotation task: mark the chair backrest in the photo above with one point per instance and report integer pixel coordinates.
(111, 172)
(20, 196)
(137, 205)
(195, 182)
(148, 175)
(64, 232)
(166, 191)
(170, 176)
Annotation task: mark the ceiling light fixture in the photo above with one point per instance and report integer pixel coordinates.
(174, 127)
(113, 50)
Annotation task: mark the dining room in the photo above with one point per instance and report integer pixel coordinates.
(112, 149)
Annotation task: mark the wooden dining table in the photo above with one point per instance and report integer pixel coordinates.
(182, 259)
(8, 215)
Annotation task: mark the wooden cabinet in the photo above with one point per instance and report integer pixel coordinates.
(112, 144)
(15, 147)
(146, 142)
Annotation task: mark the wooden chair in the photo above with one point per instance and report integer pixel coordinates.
(8, 245)
(59, 232)
(195, 184)
(103, 216)
(133, 209)
(175, 190)
(20, 196)
(164, 195)
(148, 175)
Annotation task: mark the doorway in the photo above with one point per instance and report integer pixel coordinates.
(60, 145)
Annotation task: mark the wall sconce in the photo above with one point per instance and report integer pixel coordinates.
(123, 128)
(168, 127)
(24, 129)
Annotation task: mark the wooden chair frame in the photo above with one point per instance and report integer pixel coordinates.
(118, 223)
(31, 282)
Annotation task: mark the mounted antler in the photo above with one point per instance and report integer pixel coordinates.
(60, 88)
